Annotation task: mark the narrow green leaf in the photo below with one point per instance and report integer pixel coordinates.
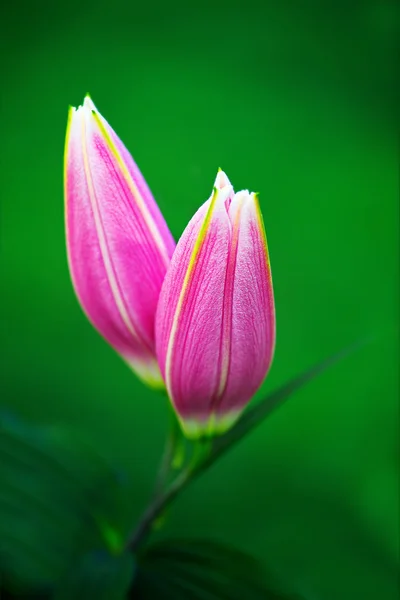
(256, 414)
(211, 449)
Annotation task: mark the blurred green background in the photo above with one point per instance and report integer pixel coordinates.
(294, 100)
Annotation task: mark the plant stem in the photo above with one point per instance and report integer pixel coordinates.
(168, 454)
(157, 506)
(202, 449)
(206, 454)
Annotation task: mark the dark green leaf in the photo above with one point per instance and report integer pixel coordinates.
(98, 575)
(58, 499)
(201, 570)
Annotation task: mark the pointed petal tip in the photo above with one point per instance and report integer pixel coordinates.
(88, 103)
(221, 180)
(254, 198)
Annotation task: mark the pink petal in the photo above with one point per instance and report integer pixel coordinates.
(143, 189)
(252, 312)
(117, 254)
(215, 322)
(189, 316)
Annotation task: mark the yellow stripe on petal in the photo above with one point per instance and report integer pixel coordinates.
(269, 273)
(112, 280)
(71, 111)
(133, 189)
(188, 274)
(261, 225)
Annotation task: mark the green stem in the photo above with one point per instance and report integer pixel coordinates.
(201, 452)
(168, 454)
(157, 507)
(206, 454)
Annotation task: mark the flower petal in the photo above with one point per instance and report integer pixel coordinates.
(117, 254)
(215, 325)
(189, 315)
(252, 327)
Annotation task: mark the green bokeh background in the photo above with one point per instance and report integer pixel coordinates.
(294, 100)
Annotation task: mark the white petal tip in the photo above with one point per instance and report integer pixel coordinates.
(243, 196)
(221, 181)
(87, 106)
(87, 103)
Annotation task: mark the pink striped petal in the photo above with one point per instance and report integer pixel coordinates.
(251, 329)
(215, 327)
(119, 246)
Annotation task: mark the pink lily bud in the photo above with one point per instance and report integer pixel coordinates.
(215, 324)
(119, 246)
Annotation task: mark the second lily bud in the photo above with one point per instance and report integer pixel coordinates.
(215, 326)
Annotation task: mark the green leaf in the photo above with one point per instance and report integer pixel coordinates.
(201, 570)
(256, 414)
(211, 449)
(58, 500)
(100, 576)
